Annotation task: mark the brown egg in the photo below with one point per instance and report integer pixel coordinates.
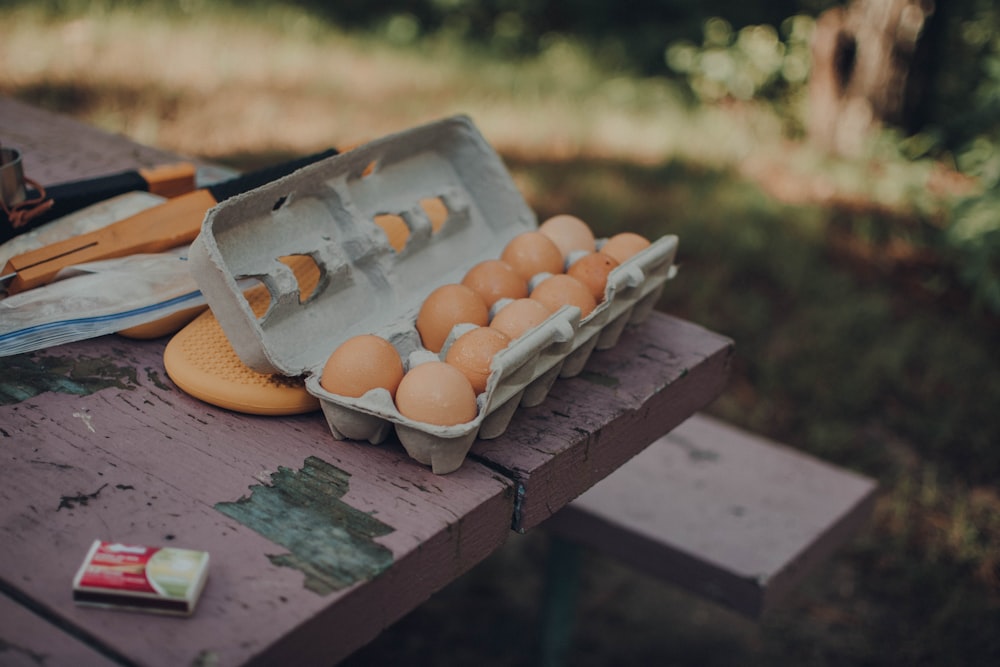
(445, 307)
(473, 352)
(436, 393)
(592, 270)
(518, 316)
(624, 245)
(531, 253)
(564, 290)
(495, 279)
(570, 233)
(361, 364)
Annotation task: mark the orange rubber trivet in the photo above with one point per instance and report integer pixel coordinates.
(202, 362)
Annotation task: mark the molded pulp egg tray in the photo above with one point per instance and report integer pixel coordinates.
(326, 212)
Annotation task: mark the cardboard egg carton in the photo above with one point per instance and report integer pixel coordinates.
(326, 212)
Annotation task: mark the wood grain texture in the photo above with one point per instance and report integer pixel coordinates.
(27, 640)
(144, 463)
(56, 148)
(658, 375)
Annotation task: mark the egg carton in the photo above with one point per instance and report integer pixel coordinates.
(325, 214)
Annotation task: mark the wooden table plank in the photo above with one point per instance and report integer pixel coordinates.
(56, 148)
(27, 640)
(658, 375)
(134, 459)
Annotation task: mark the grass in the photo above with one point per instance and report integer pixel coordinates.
(847, 346)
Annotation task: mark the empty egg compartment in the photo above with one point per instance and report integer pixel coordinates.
(327, 212)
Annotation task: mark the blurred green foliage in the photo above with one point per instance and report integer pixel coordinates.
(720, 47)
(755, 62)
(624, 34)
(964, 121)
(759, 52)
(722, 50)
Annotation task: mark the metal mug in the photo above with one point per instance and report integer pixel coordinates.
(12, 189)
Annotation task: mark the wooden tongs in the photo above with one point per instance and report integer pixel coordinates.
(174, 223)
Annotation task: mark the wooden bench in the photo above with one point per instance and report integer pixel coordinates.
(720, 512)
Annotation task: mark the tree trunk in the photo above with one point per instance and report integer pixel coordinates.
(866, 70)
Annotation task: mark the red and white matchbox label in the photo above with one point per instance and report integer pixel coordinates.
(119, 567)
(161, 579)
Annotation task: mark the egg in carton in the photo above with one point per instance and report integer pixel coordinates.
(325, 213)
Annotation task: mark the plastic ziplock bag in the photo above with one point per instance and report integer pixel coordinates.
(98, 298)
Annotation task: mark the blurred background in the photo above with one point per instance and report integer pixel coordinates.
(833, 173)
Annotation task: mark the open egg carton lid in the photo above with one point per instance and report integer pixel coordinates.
(325, 214)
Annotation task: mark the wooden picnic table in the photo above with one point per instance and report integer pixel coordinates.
(316, 544)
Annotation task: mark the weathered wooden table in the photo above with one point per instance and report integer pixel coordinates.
(334, 540)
